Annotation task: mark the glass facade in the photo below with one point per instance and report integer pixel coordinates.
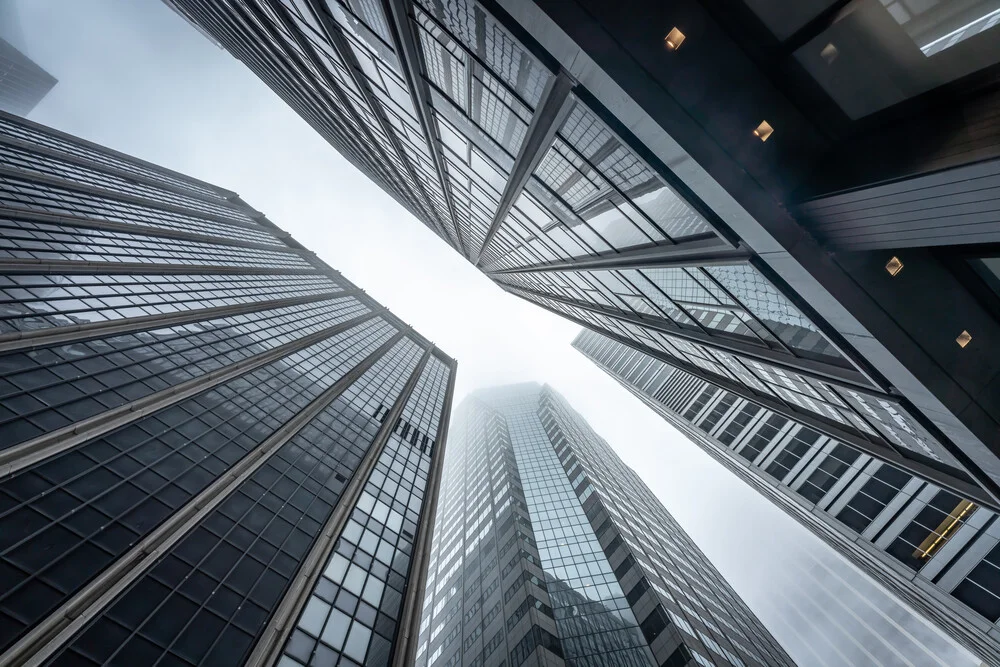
(460, 114)
(549, 550)
(198, 423)
(23, 83)
(932, 549)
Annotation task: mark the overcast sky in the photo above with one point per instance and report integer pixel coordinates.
(135, 77)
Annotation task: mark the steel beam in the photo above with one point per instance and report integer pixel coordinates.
(411, 57)
(538, 138)
(798, 365)
(405, 649)
(964, 488)
(695, 253)
(60, 626)
(52, 443)
(268, 649)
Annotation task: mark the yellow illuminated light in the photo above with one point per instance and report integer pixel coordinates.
(829, 53)
(964, 339)
(674, 39)
(894, 266)
(763, 131)
(940, 535)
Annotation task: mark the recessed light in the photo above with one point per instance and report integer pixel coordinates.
(674, 39)
(829, 53)
(763, 131)
(894, 266)
(964, 339)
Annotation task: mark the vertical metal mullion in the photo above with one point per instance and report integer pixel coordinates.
(405, 646)
(270, 646)
(343, 49)
(411, 58)
(538, 137)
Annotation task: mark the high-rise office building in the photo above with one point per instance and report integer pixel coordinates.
(549, 550)
(214, 449)
(936, 551)
(23, 83)
(797, 205)
(828, 615)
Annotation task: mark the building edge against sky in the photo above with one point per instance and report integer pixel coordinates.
(549, 550)
(215, 448)
(935, 551)
(23, 83)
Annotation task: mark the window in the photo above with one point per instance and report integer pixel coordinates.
(876, 493)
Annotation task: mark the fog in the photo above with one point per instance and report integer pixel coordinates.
(135, 77)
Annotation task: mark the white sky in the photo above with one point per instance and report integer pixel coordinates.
(134, 77)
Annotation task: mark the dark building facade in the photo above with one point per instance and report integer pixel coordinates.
(214, 449)
(934, 550)
(549, 550)
(797, 205)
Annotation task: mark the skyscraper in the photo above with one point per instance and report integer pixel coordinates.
(214, 449)
(23, 83)
(549, 550)
(795, 205)
(825, 613)
(932, 549)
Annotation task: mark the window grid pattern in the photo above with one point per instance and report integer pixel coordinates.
(23, 160)
(884, 485)
(930, 529)
(209, 598)
(485, 591)
(717, 412)
(862, 500)
(828, 472)
(375, 58)
(29, 302)
(366, 32)
(23, 193)
(591, 194)
(22, 239)
(980, 589)
(48, 388)
(792, 452)
(658, 547)
(732, 301)
(867, 415)
(352, 615)
(63, 144)
(306, 91)
(67, 518)
(596, 624)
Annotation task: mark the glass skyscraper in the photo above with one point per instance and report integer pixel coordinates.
(23, 83)
(549, 550)
(734, 189)
(934, 550)
(214, 449)
(827, 614)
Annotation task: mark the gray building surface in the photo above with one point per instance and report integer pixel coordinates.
(771, 200)
(935, 551)
(828, 615)
(549, 550)
(214, 449)
(23, 83)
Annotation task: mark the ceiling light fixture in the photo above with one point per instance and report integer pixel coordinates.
(763, 131)
(964, 339)
(894, 266)
(674, 39)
